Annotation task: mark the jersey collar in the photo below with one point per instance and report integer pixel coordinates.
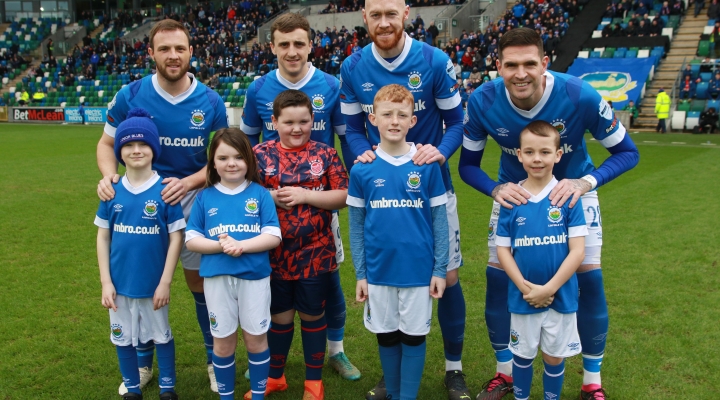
(543, 193)
(224, 190)
(549, 84)
(391, 66)
(145, 186)
(397, 161)
(302, 82)
(174, 99)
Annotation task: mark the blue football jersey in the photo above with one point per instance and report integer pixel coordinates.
(140, 223)
(424, 70)
(571, 105)
(184, 122)
(242, 213)
(322, 89)
(538, 234)
(397, 193)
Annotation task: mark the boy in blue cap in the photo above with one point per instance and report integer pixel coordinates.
(138, 245)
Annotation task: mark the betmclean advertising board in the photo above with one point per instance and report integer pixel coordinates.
(37, 114)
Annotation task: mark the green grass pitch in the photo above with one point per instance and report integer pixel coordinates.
(660, 260)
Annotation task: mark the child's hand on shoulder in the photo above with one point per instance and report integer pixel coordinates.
(437, 287)
(361, 290)
(539, 296)
(229, 245)
(162, 296)
(291, 196)
(108, 296)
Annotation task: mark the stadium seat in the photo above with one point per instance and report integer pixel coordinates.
(713, 103)
(596, 34)
(703, 48)
(705, 76)
(711, 22)
(609, 52)
(620, 53)
(697, 105)
(583, 54)
(668, 32)
(691, 122)
(701, 90)
(631, 54)
(595, 54)
(643, 53)
(493, 74)
(708, 29)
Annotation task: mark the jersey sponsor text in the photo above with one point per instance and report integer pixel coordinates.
(541, 241)
(182, 142)
(223, 228)
(394, 203)
(138, 230)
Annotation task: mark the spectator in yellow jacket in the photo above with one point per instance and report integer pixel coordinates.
(662, 110)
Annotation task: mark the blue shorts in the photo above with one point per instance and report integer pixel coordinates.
(306, 295)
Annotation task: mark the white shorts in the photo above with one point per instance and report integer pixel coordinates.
(454, 256)
(389, 309)
(335, 226)
(593, 241)
(231, 300)
(190, 260)
(135, 322)
(555, 333)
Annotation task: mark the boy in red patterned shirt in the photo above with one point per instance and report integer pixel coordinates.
(307, 181)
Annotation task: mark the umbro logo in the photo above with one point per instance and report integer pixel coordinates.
(502, 131)
(212, 211)
(379, 182)
(269, 105)
(367, 86)
(520, 221)
(118, 207)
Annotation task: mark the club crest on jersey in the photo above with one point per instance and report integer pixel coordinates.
(514, 338)
(560, 125)
(379, 182)
(318, 101)
(117, 331)
(316, 167)
(197, 118)
(118, 207)
(151, 208)
(212, 212)
(554, 214)
(251, 206)
(213, 320)
(414, 80)
(491, 230)
(367, 87)
(413, 181)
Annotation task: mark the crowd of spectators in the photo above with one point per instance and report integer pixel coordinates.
(639, 24)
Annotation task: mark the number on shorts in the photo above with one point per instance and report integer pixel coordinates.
(457, 241)
(596, 219)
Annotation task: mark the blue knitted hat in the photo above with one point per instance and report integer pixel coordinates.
(137, 127)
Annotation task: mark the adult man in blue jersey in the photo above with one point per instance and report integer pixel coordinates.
(186, 112)
(501, 109)
(290, 42)
(428, 73)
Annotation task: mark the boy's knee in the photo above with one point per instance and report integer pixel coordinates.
(389, 339)
(410, 340)
(550, 360)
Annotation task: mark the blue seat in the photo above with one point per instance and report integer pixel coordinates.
(631, 54)
(714, 104)
(693, 114)
(466, 74)
(594, 54)
(711, 22)
(705, 76)
(695, 68)
(619, 53)
(701, 91)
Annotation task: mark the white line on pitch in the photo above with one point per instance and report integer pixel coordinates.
(677, 142)
(707, 144)
(649, 141)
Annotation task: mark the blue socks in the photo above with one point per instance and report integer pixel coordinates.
(553, 380)
(451, 315)
(391, 361)
(592, 322)
(127, 359)
(335, 310)
(259, 369)
(411, 370)
(522, 377)
(145, 352)
(497, 316)
(166, 365)
(204, 320)
(280, 338)
(225, 374)
(314, 334)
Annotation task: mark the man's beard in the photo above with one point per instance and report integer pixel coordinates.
(395, 39)
(162, 70)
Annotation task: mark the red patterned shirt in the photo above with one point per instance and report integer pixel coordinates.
(308, 247)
